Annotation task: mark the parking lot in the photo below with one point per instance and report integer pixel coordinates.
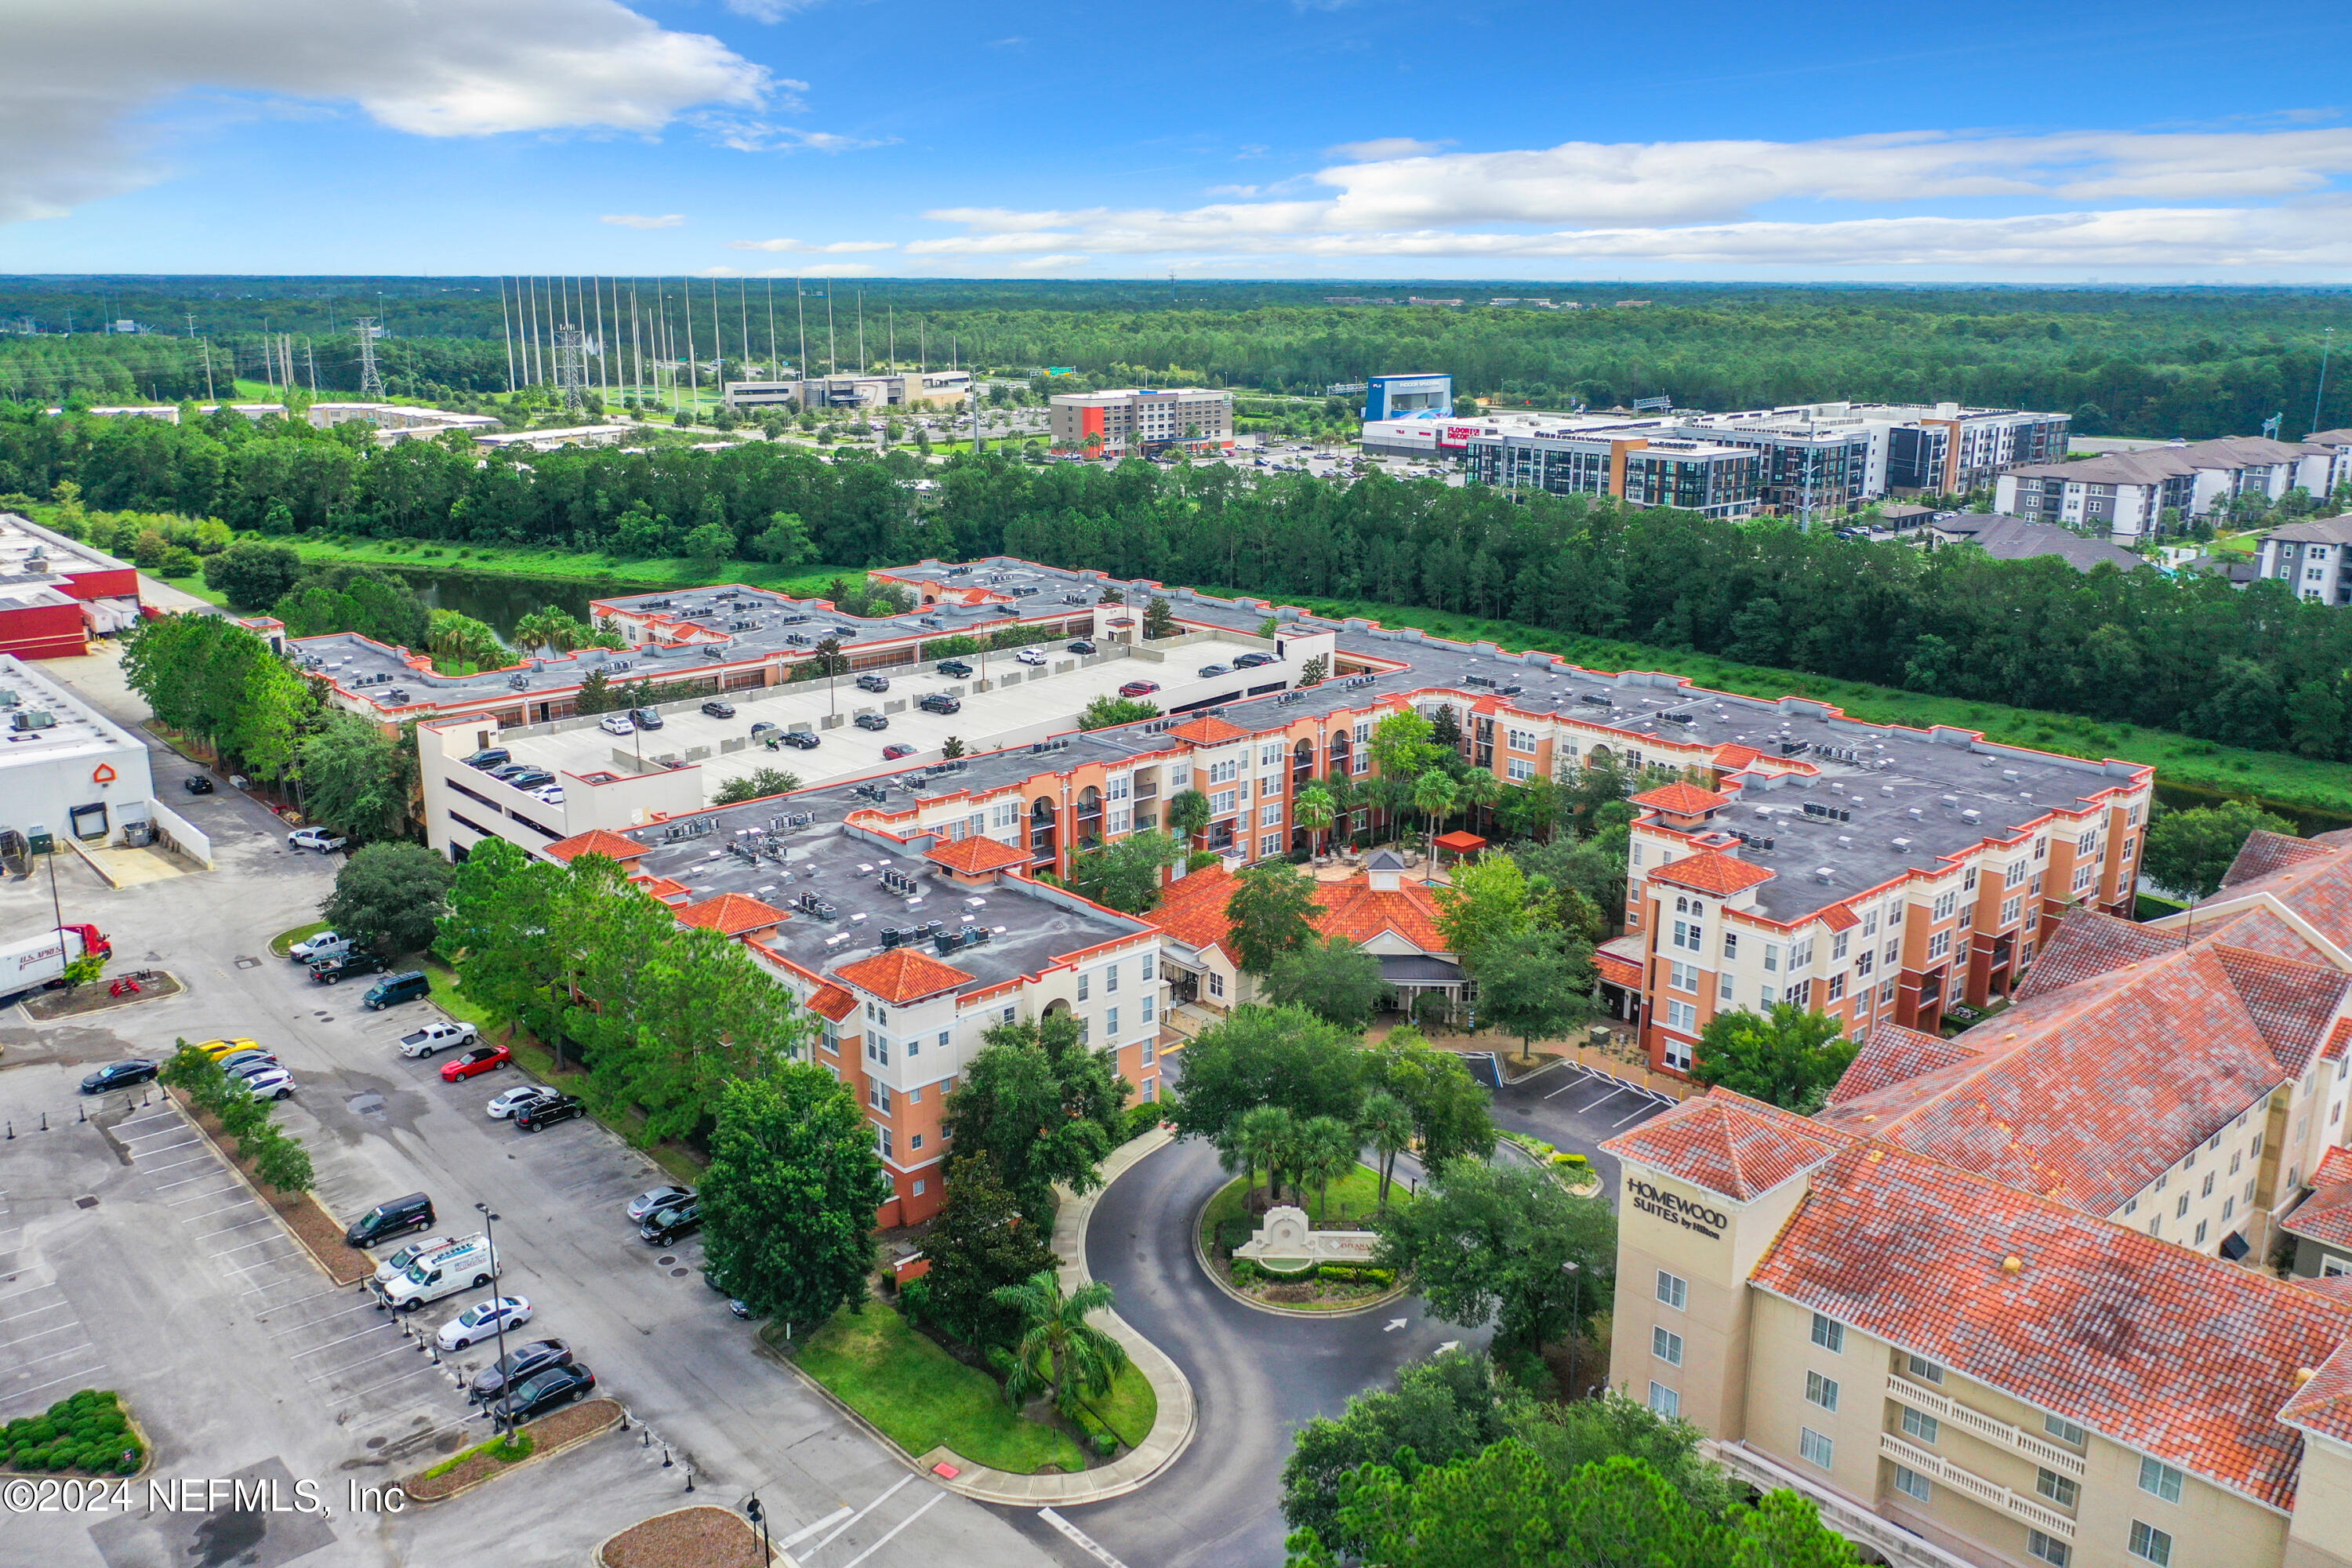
(132, 1258)
(1025, 703)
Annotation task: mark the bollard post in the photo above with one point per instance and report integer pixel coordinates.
(625, 1417)
(644, 1436)
(689, 1478)
(665, 1456)
(85, 1110)
(45, 1121)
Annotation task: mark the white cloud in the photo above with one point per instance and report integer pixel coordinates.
(1048, 263)
(79, 81)
(639, 220)
(1387, 147)
(751, 133)
(2179, 201)
(801, 247)
(821, 270)
(768, 10)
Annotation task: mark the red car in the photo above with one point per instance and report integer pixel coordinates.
(891, 753)
(480, 1060)
(1139, 689)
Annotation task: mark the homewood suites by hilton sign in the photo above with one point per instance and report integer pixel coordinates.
(1708, 1222)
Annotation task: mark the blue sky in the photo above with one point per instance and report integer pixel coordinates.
(1232, 138)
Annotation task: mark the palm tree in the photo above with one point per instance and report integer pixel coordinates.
(1433, 794)
(1386, 1123)
(1327, 1148)
(1315, 811)
(1480, 790)
(1080, 1360)
(1345, 798)
(1262, 1137)
(1188, 815)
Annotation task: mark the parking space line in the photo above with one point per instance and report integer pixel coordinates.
(241, 1224)
(167, 1148)
(895, 1529)
(51, 1383)
(388, 1382)
(242, 1203)
(32, 1311)
(332, 1372)
(1646, 1109)
(805, 1530)
(159, 1116)
(331, 1344)
(247, 1248)
(44, 1333)
(861, 1514)
(1080, 1538)
(175, 1165)
(187, 1180)
(6, 1295)
(167, 1131)
(281, 1306)
(59, 1355)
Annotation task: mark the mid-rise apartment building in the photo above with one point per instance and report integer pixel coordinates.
(2068, 1288)
(1191, 418)
(2314, 559)
(1644, 468)
(2126, 495)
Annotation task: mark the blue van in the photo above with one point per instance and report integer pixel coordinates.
(395, 988)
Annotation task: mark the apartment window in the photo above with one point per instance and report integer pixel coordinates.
(1270, 816)
(1837, 948)
(2151, 1543)
(1149, 1052)
(1829, 1334)
(1821, 1391)
(1923, 1369)
(1687, 935)
(877, 1049)
(1083, 981)
(1801, 956)
(1731, 944)
(2207, 1191)
(1939, 945)
(1912, 1485)
(1682, 976)
(877, 1095)
(1519, 739)
(1673, 1289)
(2059, 1489)
(1149, 1004)
(1723, 988)
(2160, 1479)
(2049, 1549)
(1942, 911)
(1269, 845)
(1667, 1347)
(915, 1143)
(1665, 1401)
(1148, 964)
(1216, 985)
(1682, 1015)
(1920, 1425)
(2009, 909)
(1110, 1024)
(1814, 1448)
(1772, 957)
(882, 1141)
(1837, 987)
(1521, 770)
(2065, 1431)
(1223, 803)
(2202, 1225)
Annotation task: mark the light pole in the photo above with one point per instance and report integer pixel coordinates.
(1575, 1273)
(759, 1516)
(503, 1421)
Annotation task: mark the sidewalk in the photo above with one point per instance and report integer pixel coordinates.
(1171, 1434)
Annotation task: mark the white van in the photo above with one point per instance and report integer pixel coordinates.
(468, 1264)
(398, 1264)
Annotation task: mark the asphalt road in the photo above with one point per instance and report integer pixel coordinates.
(1575, 1110)
(1258, 1377)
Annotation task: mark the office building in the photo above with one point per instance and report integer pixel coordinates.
(910, 390)
(2136, 495)
(1189, 418)
(2314, 559)
(1408, 397)
(65, 769)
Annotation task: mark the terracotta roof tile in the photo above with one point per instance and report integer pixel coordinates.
(669, 890)
(2313, 881)
(1892, 1054)
(731, 914)
(833, 1001)
(2088, 943)
(1192, 910)
(2324, 1404)
(2173, 1352)
(1682, 799)
(1207, 732)
(1840, 917)
(2325, 1217)
(2340, 1039)
(1619, 961)
(2087, 1094)
(1733, 757)
(2260, 930)
(977, 854)
(2265, 852)
(1709, 872)
(2292, 1004)
(901, 975)
(1728, 1144)
(596, 841)
(1353, 910)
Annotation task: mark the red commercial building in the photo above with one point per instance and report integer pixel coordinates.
(56, 593)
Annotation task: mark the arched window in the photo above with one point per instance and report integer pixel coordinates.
(1041, 811)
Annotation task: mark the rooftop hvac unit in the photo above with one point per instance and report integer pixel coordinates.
(1902, 845)
(1972, 817)
(1824, 874)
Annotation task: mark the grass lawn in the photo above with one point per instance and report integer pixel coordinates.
(570, 566)
(1352, 1197)
(923, 1397)
(1130, 1407)
(282, 944)
(2179, 759)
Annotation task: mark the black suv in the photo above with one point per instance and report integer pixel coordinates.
(490, 757)
(337, 965)
(1251, 661)
(871, 721)
(521, 1362)
(665, 1225)
(1081, 646)
(556, 1385)
(802, 740)
(719, 709)
(543, 1113)
(939, 702)
(954, 668)
(119, 1075)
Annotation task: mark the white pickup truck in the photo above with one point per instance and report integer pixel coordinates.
(325, 944)
(437, 1036)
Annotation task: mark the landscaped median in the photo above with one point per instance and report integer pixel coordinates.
(1573, 1172)
(540, 1439)
(1229, 1218)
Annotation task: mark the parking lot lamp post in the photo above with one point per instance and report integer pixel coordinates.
(504, 1420)
(1576, 1319)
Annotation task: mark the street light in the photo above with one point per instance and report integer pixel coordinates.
(1575, 1273)
(504, 1420)
(759, 1516)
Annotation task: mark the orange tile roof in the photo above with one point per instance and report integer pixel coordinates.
(1619, 961)
(1728, 1144)
(2266, 853)
(2324, 1404)
(977, 854)
(2088, 944)
(1682, 799)
(1733, 757)
(2325, 1217)
(1192, 910)
(2260, 930)
(1709, 872)
(596, 841)
(2340, 1039)
(1840, 917)
(731, 914)
(2173, 1352)
(2309, 877)
(1207, 732)
(901, 975)
(833, 1001)
(1892, 1054)
(666, 889)
(1353, 910)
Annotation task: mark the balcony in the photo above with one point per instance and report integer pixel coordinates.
(1992, 1494)
(1993, 1429)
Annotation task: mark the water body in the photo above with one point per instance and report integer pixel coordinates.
(501, 601)
(2308, 820)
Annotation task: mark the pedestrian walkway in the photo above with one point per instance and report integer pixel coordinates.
(1169, 1435)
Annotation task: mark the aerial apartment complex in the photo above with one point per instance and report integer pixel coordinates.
(2071, 1287)
(900, 899)
(2126, 495)
(1152, 420)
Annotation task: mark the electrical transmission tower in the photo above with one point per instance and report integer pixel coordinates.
(371, 379)
(572, 365)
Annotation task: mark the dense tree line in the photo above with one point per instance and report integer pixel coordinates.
(2252, 668)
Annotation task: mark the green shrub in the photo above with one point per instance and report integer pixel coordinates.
(915, 1301)
(1141, 1119)
(1232, 1234)
(129, 1463)
(1246, 1271)
(1202, 859)
(1358, 1274)
(1287, 1276)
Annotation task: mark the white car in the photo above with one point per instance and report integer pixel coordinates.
(390, 1269)
(326, 945)
(266, 1083)
(437, 1036)
(514, 1099)
(1031, 656)
(550, 794)
(616, 724)
(483, 1319)
(318, 838)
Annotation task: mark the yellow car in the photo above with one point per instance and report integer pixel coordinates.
(219, 1049)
